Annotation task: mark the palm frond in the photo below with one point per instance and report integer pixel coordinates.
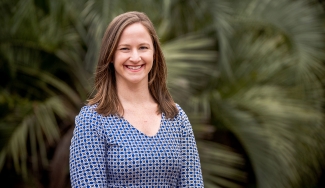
(37, 127)
(190, 65)
(221, 166)
(275, 131)
(191, 16)
(58, 84)
(269, 93)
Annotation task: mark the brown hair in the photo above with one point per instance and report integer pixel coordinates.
(105, 82)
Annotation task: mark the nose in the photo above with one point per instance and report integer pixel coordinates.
(135, 56)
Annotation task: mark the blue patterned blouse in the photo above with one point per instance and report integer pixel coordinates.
(106, 151)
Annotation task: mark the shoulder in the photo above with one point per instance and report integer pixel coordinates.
(183, 121)
(88, 115)
(181, 114)
(181, 118)
(88, 109)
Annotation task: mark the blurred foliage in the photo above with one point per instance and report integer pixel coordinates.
(248, 73)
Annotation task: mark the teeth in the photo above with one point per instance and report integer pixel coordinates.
(134, 68)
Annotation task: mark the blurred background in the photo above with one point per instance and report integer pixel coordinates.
(249, 74)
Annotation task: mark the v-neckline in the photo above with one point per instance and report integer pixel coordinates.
(142, 133)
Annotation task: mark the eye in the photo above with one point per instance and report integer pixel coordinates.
(143, 47)
(124, 49)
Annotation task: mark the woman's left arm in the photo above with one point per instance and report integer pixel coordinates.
(191, 175)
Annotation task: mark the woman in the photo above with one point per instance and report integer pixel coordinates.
(131, 133)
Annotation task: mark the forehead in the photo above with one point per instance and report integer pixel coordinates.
(135, 31)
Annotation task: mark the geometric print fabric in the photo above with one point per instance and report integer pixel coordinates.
(107, 151)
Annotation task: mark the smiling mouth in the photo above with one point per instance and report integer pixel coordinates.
(134, 67)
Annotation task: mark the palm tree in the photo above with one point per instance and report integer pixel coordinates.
(270, 93)
(41, 53)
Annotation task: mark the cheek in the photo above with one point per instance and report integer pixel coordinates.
(153, 65)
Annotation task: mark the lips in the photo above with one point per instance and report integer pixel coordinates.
(134, 67)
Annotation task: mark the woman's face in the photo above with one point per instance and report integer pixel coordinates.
(133, 57)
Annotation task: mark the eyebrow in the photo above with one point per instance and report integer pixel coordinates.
(139, 44)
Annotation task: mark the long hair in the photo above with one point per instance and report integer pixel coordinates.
(105, 81)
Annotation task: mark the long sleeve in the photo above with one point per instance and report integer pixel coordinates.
(88, 166)
(191, 175)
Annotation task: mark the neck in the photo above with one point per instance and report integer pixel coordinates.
(134, 94)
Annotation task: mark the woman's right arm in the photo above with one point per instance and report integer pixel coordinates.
(88, 166)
